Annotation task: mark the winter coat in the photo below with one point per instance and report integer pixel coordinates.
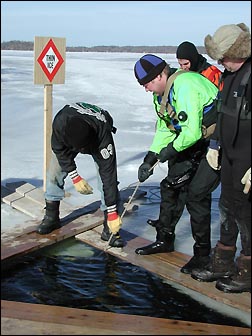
(102, 149)
(209, 71)
(190, 94)
(234, 123)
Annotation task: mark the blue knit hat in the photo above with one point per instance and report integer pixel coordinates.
(148, 67)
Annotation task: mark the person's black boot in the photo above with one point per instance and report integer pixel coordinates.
(51, 220)
(116, 240)
(200, 259)
(221, 264)
(163, 243)
(240, 282)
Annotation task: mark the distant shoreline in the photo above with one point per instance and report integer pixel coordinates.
(29, 46)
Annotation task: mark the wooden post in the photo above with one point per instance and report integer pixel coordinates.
(47, 129)
(49, 69)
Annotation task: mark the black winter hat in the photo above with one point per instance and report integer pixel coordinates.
(187, 50)
(79, 133)
(148, 67)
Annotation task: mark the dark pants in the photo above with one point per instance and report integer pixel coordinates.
(196, 196)
(235, 206)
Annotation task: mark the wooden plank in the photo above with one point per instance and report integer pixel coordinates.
(20, 318)
(10, 197)
(36, 195)
(29, 240)
(20, 187)
(176, 258)
(14, 195)
(28, 190)
(24, 239)
(24, 205)
(166, 265)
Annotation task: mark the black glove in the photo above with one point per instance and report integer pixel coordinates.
(144, 171)
(167, 153)
(149, 161)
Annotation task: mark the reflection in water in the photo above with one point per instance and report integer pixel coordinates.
(73, 274)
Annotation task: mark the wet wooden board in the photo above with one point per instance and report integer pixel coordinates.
(166, 265)
(29, 240)
(19, 318)
(23, 238)
(28, 199)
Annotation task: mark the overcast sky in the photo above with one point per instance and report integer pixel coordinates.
(92, 23)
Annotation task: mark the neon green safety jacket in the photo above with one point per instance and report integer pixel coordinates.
(191, 94)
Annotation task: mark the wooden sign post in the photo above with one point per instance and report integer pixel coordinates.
(49, 69)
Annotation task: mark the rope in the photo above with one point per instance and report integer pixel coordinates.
(127, 205)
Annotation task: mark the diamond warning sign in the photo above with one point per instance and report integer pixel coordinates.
(50, 60)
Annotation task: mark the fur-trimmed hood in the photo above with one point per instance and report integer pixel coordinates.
(232, 41)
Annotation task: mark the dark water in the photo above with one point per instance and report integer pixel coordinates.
(73, 274)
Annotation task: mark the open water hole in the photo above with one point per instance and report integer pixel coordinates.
(74, 274)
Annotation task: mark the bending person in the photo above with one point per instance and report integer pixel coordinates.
(86, 129)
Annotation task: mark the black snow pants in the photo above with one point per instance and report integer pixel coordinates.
(193, 192)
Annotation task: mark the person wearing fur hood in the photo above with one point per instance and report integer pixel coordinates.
(230, 151)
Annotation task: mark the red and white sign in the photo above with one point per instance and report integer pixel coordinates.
(50, 60)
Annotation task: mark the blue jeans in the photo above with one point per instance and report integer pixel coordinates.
(55, 181)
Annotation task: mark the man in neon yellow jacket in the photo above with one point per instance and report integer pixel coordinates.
(185, 114)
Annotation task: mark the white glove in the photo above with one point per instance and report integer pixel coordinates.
(213, 158)
(247, 181)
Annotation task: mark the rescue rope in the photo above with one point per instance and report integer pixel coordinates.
(130, 200)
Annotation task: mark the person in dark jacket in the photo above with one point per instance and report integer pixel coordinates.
(86, 129)
(230, 150)
(190, 59)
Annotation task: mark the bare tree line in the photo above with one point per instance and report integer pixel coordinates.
(26, 45)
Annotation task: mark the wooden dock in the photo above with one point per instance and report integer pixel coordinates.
(30, 200)
(167, 266)
(34, 319)
(19, 318)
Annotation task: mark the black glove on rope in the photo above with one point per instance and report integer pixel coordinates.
(144, 171)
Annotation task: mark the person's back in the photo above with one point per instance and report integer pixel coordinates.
(190, 59)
